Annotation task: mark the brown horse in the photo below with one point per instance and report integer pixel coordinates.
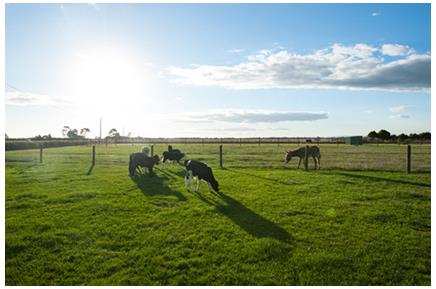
(313, 152)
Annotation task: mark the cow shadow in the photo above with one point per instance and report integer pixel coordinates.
(155, 185)
(248, 220)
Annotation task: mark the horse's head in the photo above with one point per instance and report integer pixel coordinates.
(288, 157)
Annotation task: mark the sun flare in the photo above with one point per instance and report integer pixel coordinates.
(106, 78)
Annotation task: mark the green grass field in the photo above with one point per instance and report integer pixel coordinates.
(360, 220)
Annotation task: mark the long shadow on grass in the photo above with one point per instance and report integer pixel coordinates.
(248, 220)
(155, 185)
(90, 170)
(241, 172)
(377, 179)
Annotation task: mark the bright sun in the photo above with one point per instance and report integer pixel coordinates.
(106, 78)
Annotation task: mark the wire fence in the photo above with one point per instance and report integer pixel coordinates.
(388, 157)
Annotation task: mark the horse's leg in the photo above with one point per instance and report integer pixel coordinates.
(319, 162)
(314, 160)
(150, 171)
(299, 164)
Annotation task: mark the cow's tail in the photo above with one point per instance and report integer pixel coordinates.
(131, 168)
(213, 181)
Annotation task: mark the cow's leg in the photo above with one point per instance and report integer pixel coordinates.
(187, 179)
(198, 184)
(299, 164)
(191, 182)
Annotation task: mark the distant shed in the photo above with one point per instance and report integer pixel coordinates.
(354, 140)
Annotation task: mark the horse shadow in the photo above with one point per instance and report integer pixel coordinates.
(248, 220)
(241, 172)
(155, 185)
(378, 179)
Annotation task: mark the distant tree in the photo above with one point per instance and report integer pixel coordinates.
(373, 134)
(6, 136)
(384, 134)
(48, 136)
(402, 137)
(65, 130)
(38, 137)
(413, 136)
(73, 133)
(425, 135)
(113, 133)
(84, 131)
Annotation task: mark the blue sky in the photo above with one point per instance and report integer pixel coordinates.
(218, 69)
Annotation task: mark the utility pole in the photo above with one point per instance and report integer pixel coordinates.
(100, 128)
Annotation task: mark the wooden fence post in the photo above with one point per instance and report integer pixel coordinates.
(152, 150)
(409, 158)
(306, 158)
(221, 156)
(93, 155)
(40, 153)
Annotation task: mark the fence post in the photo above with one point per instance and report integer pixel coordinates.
(152, 150)
(409, 158)
(40, 153)
(306, 158)
(221, 156)
(93, 155)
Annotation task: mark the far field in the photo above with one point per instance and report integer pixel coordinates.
(360, 220)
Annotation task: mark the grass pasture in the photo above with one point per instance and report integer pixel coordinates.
(360, 220)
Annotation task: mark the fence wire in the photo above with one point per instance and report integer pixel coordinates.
(389, 157)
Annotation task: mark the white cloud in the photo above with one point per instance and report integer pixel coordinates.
(251, 116)
(27, 98)
(375, 14)
(400, 108)
(95, 6)
(236, 50)
(400, 116)
(339, 67)
(396, 50)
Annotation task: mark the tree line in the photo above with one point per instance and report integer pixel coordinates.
(385, 135)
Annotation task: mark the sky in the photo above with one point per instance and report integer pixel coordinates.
(218, 70)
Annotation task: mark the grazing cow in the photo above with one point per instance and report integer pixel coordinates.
(200, 171)
(172, 155)
(313, 152)
(142, 160)
(145, 150)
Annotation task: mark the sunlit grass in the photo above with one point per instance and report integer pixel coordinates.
(272, 225)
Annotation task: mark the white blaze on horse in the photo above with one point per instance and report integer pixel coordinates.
(313, 152)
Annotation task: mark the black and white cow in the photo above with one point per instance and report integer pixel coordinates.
(202, 172)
